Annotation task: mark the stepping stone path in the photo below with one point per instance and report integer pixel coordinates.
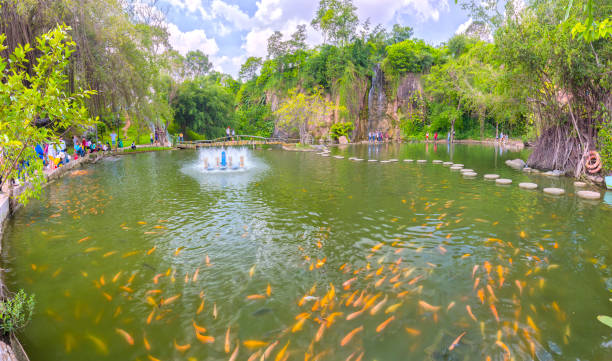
(447, 163)
(528, 185)
(580, 184)
(470, 174)
(503, 181)
(372, 160)
(491, 176)
(408, 160)
(436, 161)
(421, 161)
(554, 191)
(588, 195)
(455, 168)
(467, 170)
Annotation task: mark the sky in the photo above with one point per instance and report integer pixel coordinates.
(230, 31)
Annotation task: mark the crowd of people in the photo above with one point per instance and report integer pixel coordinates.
(377, 137)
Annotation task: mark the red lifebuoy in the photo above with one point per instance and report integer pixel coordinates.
(593, 162)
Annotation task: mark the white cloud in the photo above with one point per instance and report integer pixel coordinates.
(221, 29)
(256, 42)
(183, 42)
(268, 10)
(231, 13)
(192, 6)
(463, 27)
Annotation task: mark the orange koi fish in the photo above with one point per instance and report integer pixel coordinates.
(491, 292)
(415, 280)
(170, 299)
(107, 296)
(255, 297)
(195, 275)
(254, 344)
(208, 264)
(427, 307)
(156, 278)
(384, 324)
(450, 305)
(298, 325)
(494, 311)
(319, 334)
(476, 282)
(503, 346)
(215, 311)
(205, 339)
(268, 351)
(268, 290)
(84, 239)
(126, 289)
(347, 284)
(413, 331)
(116, 277)
(234, 355)
(150, 318)
(198, 329)
(146, 343)
(200, 308)
(456, 342)
(151, 358)
(181, 348)
(487, 267)
(520, 287)
(227, 340)
(349, 336)
(469, 309)
(151, 250)
(378, 306)
(474, 270)
(380, 281)
(393, 308)
(481, 295)
(331, 317)
(178, 250)
(126, 336)
(354, 315)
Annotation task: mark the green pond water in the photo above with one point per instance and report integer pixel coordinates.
(404, 238)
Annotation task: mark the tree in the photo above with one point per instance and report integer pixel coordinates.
(197, 64)
(205, 106)
(337, 20)
(250, 68)
(299, 111)
(298, 39)
(276, 46)
(35, 108)
(400, 33)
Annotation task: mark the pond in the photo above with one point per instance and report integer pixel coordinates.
(300, 254)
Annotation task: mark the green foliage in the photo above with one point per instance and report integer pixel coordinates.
(197, 64)
(409, 56)
(204, 106)
(16, 312)
(341, 129)
(191, 135)
(35, 107)
(337, 20)
(145, 149)
(605, 144)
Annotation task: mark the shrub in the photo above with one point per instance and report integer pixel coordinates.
(16, 312)
(604, 140)
(341, 129)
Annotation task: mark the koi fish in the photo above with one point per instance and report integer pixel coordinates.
(503, 346)
(197, 328)
(319, 334)
(393, 308)
(350, 335)
(476, 282)
(281, 354)
(413, 331)
(255, 297)
(150, 318)
(200, 308)
(129, 254)
(151, 250)
(205, 339)
(126, 289)
(347, 284)
(456, 342)
(181, 348)
(269, 350)
(116, 277)
(487, 267)
(170, 300)
(481, 295)
(384, 324)
(354, 315)
(469, 310)
(491, 292)
(427, 307)
(100, 345)
(215, 311)
(208, 264)
(195, 275)
(298, 325)
(146, 343)
(474, 270)
(268, 290)
(252, 271)
(107, 296)
(84, 239)
(153, 358)
(254, 344)
(494, 311)
(178, 250)
(235, 353)
(378, 306)
(227, 340)
(108, 254)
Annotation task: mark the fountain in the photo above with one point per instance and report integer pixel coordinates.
(223, 159)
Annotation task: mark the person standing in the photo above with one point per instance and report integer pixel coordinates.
(113, 139)
(427, 137)
(436, 136)
(233, 133)
(227, 133)
(151, 138)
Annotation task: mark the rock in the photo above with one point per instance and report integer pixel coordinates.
(527, 170)
(459, 165)
(325, 155)
(554, 173)
(554, 191)
(436, 161)
(580, 184)
(491, 176)
(455, 168)
(343, 140)
(503, 181)
(372, 160)
(447, 163)
(357, 159)
(467, 170)
(385, 161)
(588, 194)
(528, 185)
(393, 160)
(421, 161)
(517, 164)
(408, 160)
(469, 174)
(338, 157)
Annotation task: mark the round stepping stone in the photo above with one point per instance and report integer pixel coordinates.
(528, 185)
(421, 161)
(372, 160)
(580, 184)
(459, 165)
(491, 176)
(338, 157)
(588, 195)
(464, 170)
(455, 168)
(447, 163)
(437, 161)
(325, 155)
(392, 160)
(385, 161)
(408, 160)
(554, 191)
(357, 159)
(503, 181)
(470, 174)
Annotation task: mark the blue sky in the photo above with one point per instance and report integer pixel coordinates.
(229, 31)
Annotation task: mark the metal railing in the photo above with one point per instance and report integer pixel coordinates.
(240, 138)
